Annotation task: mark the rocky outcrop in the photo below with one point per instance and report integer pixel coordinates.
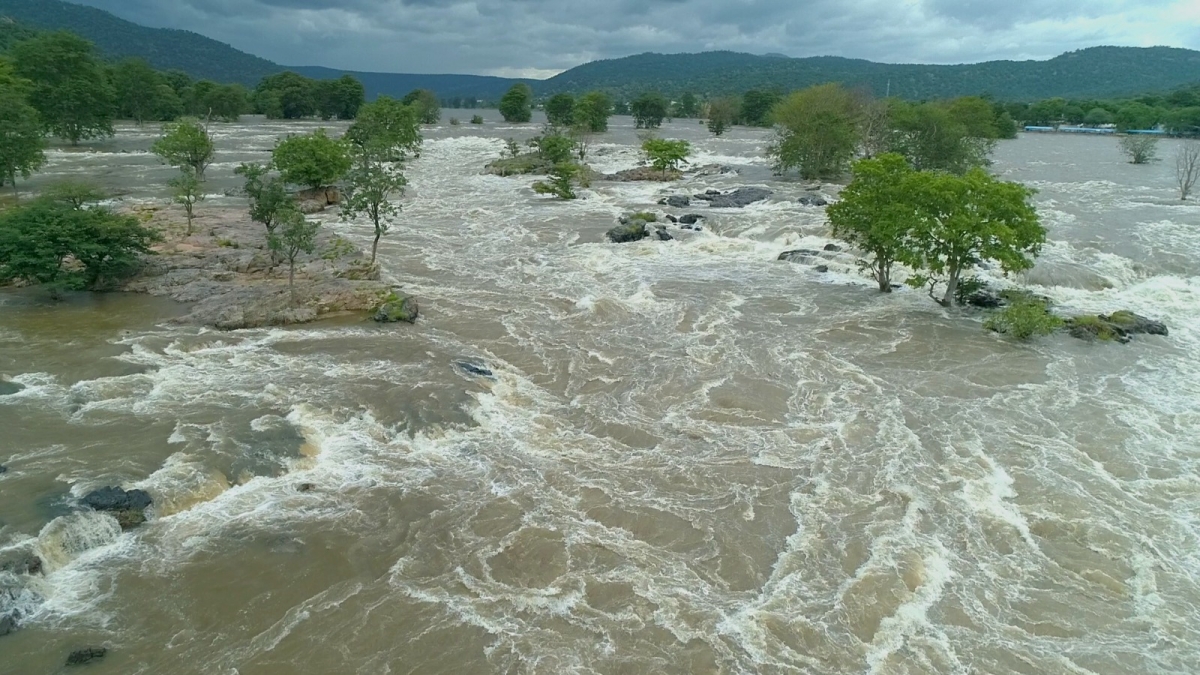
(806, 256)
(833, 248)
(7, 387)
(315, 200)
(397, 308)
(662, 234)
(690, 219)
(713, 170)
(475, 369)
(129, 506)
(525, 164)
(1116, 327)
(739, 198)
(676, 201)
(643, 173)
(633, 231)
(813, 201)
(86, 655)
(1136, 324)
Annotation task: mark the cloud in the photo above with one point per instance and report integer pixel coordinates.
(544, 36)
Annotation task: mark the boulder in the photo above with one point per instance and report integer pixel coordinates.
(7, 625)
(24, 563)
(833, 248)
(691, 219)
(985, 298)
(129, 506)
(739, 198)
(713, 170)
(86, 655)
(708, 195)
(813, 201)
(672, 218)
(1092, 328)
(802, 255)
(643, 173)
(8, 387)
(3, 469)
(310, 206)
(397, 308)
(676, 201)
(632, 231)
(822, 268)
(663, 235)
(474, 369)
(1134, 324)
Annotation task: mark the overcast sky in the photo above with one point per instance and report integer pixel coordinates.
(538, 38)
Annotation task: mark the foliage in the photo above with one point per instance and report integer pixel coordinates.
(286, 95)
(454, 121)
(186, 190)
(65, 248)
(756, 107)
(1098, 117)
(645, 216)
(1187, 167)
(313, 160)
(338, 99)
(561, 183)
(554, 148)
(427, 105)
(1140, 149)
(943, 137)
(73, 194)
(592, 111)
(517, 104)
(22, 140)
(560, 110)
(875, 214)
(370, 187)
(477, 119)
(817, 131)
(649, 110)
(512, 148)
(186, 144)
(1024, 319)
(387, 129)
(70, 90)
(665, 155)
(138, 97)
(267, 194)
(687, 106)
(721, 115)
(296, 235)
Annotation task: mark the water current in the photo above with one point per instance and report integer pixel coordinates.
(691, 458)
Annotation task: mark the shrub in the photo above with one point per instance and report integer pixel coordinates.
(314, 160)
(563, 178)
(666, 155)
(647, 216)
(477, 119)
(1024, 319)
(454, 121)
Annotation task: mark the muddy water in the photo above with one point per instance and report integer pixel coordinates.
(690, 458)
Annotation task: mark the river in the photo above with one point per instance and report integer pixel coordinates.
(691, 458)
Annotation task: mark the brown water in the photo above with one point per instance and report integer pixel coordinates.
(691, 459)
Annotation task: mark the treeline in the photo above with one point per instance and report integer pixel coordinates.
(1177, 112)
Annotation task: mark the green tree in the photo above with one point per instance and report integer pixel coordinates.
(388, 129)
(560, 110)
(1137, 116)
(554, 148)
(186, 189)
(427, 105)
(22, 139)
(1024, 319)
(875, 214)
(1140, 148)
(960, 221)
(70, 91)
(665, 155)
(817, 131)
(340, 98)
(688, 106)
(287, 96)
(296, 235)
(931, 138)
(516, 106)
(563, 178)
(370, 188)
(268, 196)
(136, 87)
(186, 144)
(73, 194)
(592, 110)
(224, 102)
(1098, 117)
(756, 107)
(649, 110)
(721, 114)
(313, 160)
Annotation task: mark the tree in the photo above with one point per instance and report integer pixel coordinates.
(560, 110)
(70, 91)
(296, 235)
(756, 107)
(687, 106)
(649, 110)
(874, 127)
(136, 87)
(73, 194)
(1139, 148)
(875, 214)
(268, 197)
(186, 144)
(186, 191)
(313, 160)
(388, 129)
(562, 181)
(1098, 117)
(516, 106)
(960, 221)
(1187, 167)
(721, 114)
(666, 155)
(22, 140)
(592, 110)
(816, 132)
(340, 98)
(370, 187)
(1024, 318)
(1136, 116)
(554, 148)
(427, 105)
(224, 102)
(931, 139)
(286, 95)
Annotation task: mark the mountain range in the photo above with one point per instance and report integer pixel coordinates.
(1096, 72)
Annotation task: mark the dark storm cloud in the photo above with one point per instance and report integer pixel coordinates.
(539, 37)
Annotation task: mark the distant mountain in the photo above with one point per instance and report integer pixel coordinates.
(1089, 73)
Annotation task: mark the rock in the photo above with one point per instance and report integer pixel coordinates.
(691, 219)
(663, 235)
(306, 487)
(672, 219)
(833, 248)
(1134, 324)
(813, 201)
(802, 255)
(7, 625)
(310, 206)
(3, 469)
(25, 563)
(642, 173)
(86, 655)
(128, 506)
(707, 195)
(397, 308)
(1092, 328)
(632, 231)
(986, 298)
(713, 170)
(474, 369)
(528, 163)
(822, 268)
(677, 201)
(739, 198)
(8, 387)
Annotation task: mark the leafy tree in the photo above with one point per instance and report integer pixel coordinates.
(387, 129)
(554, 148)
(313, 160)
(340, 98)
(1098, 117)
(73, 194)
(960, 221)
(70, 91)
(562, 181)
(975, 115)
(1024, 319)
(222, 102)
(1183, 121)
(296, 235)
(1136, 116)
(688, 106)
(167, 105)
(22, 139)
(931, 138)
(817, 131)
(267, 194)
(721, 114)
(136, 86)
(370, 187)
(516, 105)
(287, 96)
(875, 214)
(592, 111)
(476, 119)
(649, 110)
(665, 155)
(425, 102)
(186, 144)
(756, 107)
(187, 191)
(560, 110)
(1140, 149)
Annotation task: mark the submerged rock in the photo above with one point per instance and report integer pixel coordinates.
(633, 231)
(985, 298)
(739, 198)
(8, 387)
(833, 248)
(672, 219)
(1117, 327)
(813, 201)
(643, 173)
(397, 308)
(24, 563)
(7, 625)
(129, 506)
(801, 255)
(691, 219)
(1136, 323)
(86, 655)
(707, 195)
(676, 201)
(3, 469)
(822, 268)
(474, 369)
(663, 235)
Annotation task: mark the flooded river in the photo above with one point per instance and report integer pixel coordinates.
(690, 458)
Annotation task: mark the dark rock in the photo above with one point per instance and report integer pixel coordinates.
(306, 487)
(86, 655)
(707, 195)
(643, 173)
(1134, 324)
(677, 201)
(129, 507)
(822, 268)
(671, 218)
(663, 235)
(802, 255)
(7, 387)
(986, 298)
(7, 625)
(25, 563)
(3, 469)
(813, 201)
(739, 198)
(833, 248)
(691, 219)
(632, 231)
(474, 369)
(1092, 328)
(397, 308)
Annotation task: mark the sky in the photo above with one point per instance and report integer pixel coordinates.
(540, 38)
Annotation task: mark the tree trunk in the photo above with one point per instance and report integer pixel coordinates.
(292, 280)
(883, 275)
(951, 287)
(375, 246)
(16, 193)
